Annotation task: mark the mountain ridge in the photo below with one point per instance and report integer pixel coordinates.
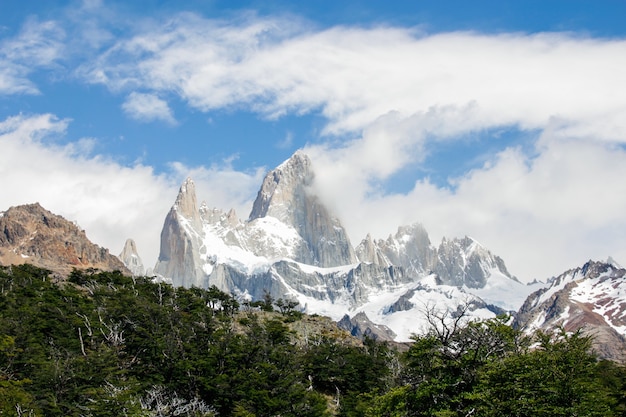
(291, 246)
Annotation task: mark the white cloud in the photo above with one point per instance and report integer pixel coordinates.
(542, 214)
(353, 75)
(148, 108)
(392, 90)
(287, 141)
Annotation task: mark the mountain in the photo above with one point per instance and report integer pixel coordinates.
(179, 257)
(291, 246)
(31, 234)
(130, 258)
(591, 297)
(286, 195)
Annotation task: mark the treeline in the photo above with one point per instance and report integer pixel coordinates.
(103, 344)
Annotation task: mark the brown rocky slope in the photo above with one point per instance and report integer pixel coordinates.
(31, 234)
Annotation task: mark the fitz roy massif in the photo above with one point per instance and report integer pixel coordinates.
(292, 247)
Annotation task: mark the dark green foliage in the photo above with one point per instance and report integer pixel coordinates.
(488, 369)
(346, 372)
(103, 344)
(106, 344)
(559, 378)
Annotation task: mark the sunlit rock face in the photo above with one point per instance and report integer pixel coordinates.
(457, 262)
(181, 241)
(132, 260)
(466, 262)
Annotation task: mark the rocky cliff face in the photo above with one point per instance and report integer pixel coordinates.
(32, 234)
(361, 326)
(409, 248)
(181, 241)
(591, 298)
(466, 262)
(287, 221)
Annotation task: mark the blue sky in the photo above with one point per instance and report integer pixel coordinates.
(500, 120)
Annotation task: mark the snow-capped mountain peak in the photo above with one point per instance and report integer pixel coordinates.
(592, 297)
(292, 246)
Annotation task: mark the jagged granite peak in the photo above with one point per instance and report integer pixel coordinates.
(275, 198)
(132, 260)
(613, 262)
(458, 262)
(591, 298)
(466, 262)
(368, 251)
(287, 195)
(410, 247)
(31, 234)
(291, 247)
(181, 241)
(187, 204)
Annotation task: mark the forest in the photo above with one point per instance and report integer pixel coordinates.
(105, 344)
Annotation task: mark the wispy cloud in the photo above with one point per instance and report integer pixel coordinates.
(287, 141)
(354, 76)
(542, 214)
(148, 108)
(38, 45)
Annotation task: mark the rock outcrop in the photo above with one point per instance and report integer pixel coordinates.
(31, 234)
(181, 241)
(466, 262)
(457, 262)
(131, 258)
(361, 326)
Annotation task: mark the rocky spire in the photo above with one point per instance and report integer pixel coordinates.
(466, 262)
(186, 203)
(367, 251)
(131, 258)
(181, 239)
(410, 247)
(286, 195)
(283, 190)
